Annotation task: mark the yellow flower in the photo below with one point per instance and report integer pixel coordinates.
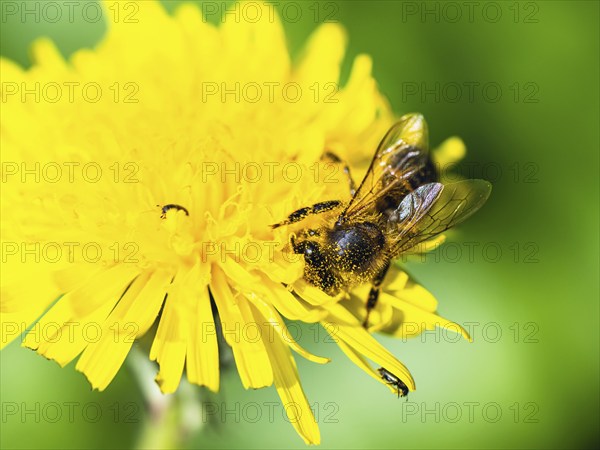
(218, 123)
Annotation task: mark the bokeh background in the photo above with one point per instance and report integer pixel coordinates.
(530, 378)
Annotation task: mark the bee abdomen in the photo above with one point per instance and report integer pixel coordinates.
(427, 174)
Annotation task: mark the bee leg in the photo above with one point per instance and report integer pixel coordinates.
(332, 157)
(374, 292)
(302, 213)
(371, 302)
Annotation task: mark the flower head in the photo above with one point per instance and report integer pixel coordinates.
(159, 170)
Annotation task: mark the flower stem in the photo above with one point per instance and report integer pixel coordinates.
(172, 419)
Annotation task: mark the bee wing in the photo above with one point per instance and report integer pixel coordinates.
(402, 152)
(432, 209)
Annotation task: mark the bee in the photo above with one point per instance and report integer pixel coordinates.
(393, 380)
(166, 208)
(399, 204)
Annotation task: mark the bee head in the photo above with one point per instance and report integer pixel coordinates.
(317, 270)
(311, 251)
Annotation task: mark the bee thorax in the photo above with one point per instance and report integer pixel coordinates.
(356, 246)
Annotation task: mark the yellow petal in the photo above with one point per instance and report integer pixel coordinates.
(45, 53)
(102, 284)
(75, 275)
(313, 295)
(354, 335)
(234, 271)
(323, 55)
(100, 361)
(174, 332)
(142, 309)
(131, 318)
(355, 107)
(202, 362)
(290, 390)
(284, 301)
(361, 362)
(396, 279)
(274, 320)
(61, 334)
(169, 347)
(415, 320)
(23, 301)
(449, 153)
(14, 324)
(418, 296)
(240, 332)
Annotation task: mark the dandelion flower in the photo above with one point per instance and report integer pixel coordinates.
(143, 194)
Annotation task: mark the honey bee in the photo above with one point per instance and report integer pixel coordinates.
(399, 204)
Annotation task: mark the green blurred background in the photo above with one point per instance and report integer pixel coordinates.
(538, 141)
